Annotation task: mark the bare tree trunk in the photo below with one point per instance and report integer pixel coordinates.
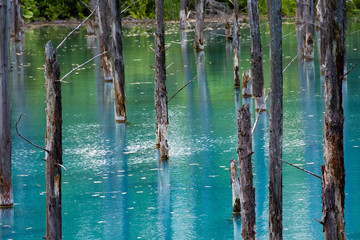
(235, 185)
(256, 56)
(320, 11)
(118, 63)
(161, 106)
(276, 120)
(299, 13)
(90, 24)
(183, 4)
(105, 39)
(228, 32)
(246, 84)
(199, 27)
(236, 43)
(308, 37)
(248, 224)
(53, 145)
(333, 172)
(18, 20)
(6, 190)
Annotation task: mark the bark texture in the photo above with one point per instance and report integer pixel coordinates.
(6, 190)
(53, 144)
(228, 32)
(308, 37)
(248, 224)
(18, 20)
(320, 22)
(236, 43)
(199, 27)
(183, 14)
(256, 56)
(118, 63)
(235, 185)
(333, 172)
(246, 84)
(276, 120)
(105, 39)
(299, 13)
(161, 107)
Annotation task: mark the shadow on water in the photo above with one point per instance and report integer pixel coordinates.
(237, 226)
(163, 200)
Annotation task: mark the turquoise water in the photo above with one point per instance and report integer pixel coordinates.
(114, 186)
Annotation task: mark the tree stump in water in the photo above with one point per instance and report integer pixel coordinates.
(199, 27)
(228, 33)
(235, 185)
(246, 84)
(183, 14)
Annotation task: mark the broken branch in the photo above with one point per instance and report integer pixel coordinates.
(182, 88)
(301, 169)
(290, 63)
(128, 6)
(352, 68)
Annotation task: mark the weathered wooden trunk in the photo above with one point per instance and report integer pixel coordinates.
(308, 37)
(235, 185)
(333, 172)
(228, 32)
(276, 120)
(236, 43)
(299, 14)
(256, 56)
(246, 84)
(18, 20)
(199, 27)
(161, 107)
(6, 190)
(118, 63)
(183, 14)
(90, 24)
(53, 144)
(105, 38)
(320, 22)
(248, 224)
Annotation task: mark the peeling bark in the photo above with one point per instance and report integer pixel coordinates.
(18, 20)
(256, 56)
(53, 144)
(248, 224)
(105, 39)
(199, 27)
(6, 190)
(308, 36)
(235, 185)
(161, 107)
(183, 14)
(118, 63)
(246, 84)
(333, 172)
(276, 120)
(236, 43)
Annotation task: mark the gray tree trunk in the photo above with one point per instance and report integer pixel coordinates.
(320, 17)
(256, 56)
(235, 186)
(161, 106)
(246, 84)
(183, 4)
(6, 190)
(308, 37)
(333, 172)
(105, 39)
(118, 63)
(53, 144)
(199, 27)
(248, 223)
(276, 120)
(18, 20)
(90, 24)
(236, 43)
(299, 18)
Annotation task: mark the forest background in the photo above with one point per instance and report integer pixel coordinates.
(50, 10)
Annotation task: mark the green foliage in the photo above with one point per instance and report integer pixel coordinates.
(172, 9)
(353, 6)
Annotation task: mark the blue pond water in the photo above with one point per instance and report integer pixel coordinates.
(115, 187)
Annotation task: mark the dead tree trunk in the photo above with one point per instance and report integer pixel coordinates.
(299, 20)
(161, 106)
(320, 11)
(6, 191)
(53, 144)
(105, 39)
(308, 36)
(118, 63)
(199, 27)
(333, 172)
(235, 185)
(236, 43)
(256, 56)
(18, 20)
(246, 84)
(276, 120)
(228, 32)
(246, 175)
(90, 24)
(183, 14)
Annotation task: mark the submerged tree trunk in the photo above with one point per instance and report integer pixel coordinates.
(90, 24)
(246, 84)
(333, 172)
(183, 14)
(256, 56)
(248, 224)
(320, 11)
(235, 185)
(6, 190)
(236, 43)
(53, 144)
(118, 63)
(299, 14)
(276, 120)
(308, 36)
(18, 20)
(105, 40)
(161, 106)
(228, 33)
(199, 27)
